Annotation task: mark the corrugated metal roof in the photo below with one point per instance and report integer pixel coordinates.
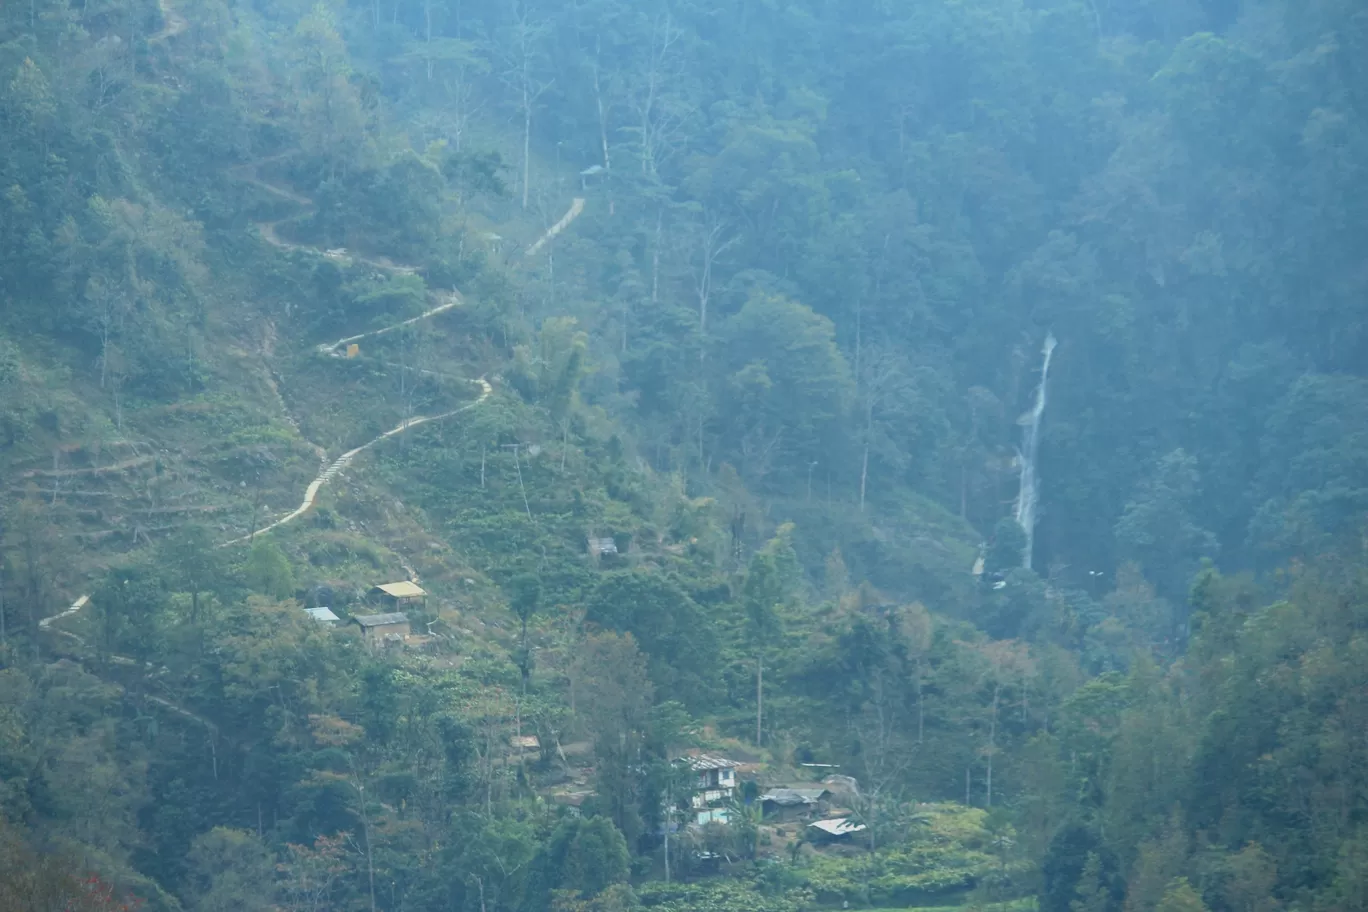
(380, 620)
(403, 589)
(838, 826)
(790, 797)
(706, 762)
(321, 614)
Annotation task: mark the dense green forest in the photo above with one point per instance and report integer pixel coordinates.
(944, 417)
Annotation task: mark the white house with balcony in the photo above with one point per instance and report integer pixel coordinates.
(714, 785)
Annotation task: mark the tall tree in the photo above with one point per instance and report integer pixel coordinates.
(521, 46)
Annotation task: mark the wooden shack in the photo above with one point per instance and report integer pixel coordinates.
(787, 804)
(379, 629)
(836, 829)
(397, 595)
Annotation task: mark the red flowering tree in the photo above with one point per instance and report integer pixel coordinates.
(94, 895)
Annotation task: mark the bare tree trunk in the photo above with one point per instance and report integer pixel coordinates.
(602, 110)
(653, 124)
(33, 583)
(527, 147)
(489, 782)
(964, 489)
(551, 273)
(104, 350)
(992, 744)
(521, 58)
(864, 474)
(702, 420)
(859, 338)
(759, 697)
(427, 35)
(712, 247)
(647, 152)
(655, 260)
(517, 463)
(669, 813)
(921, 709)
(56, 475)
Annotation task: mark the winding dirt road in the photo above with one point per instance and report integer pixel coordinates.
(576, 207)
(267, 230)
(335, 349)
(76, 606)
(452, 300)
(341, 462)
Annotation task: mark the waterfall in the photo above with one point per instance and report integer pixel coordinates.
(1029, 493)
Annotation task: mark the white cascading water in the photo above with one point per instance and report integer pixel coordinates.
(1029, 493)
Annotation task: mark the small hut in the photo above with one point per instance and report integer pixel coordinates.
(378, 629)
(398, 595)
(593, 172)
(525, 743)
(836, 829)
(782, 804)
(324, 616)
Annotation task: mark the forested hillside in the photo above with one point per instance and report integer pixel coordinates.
(520, 455)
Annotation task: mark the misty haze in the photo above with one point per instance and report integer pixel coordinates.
(684, 455)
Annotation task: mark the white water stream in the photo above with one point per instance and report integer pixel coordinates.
(1028, 496)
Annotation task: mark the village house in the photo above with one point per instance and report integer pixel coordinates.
(714, 785)
(379, 629)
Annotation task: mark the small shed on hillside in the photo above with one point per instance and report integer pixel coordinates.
(378, 629)
(601, 546)
(591, 173)
(324, 616)
(396, 595)
(837, 829)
